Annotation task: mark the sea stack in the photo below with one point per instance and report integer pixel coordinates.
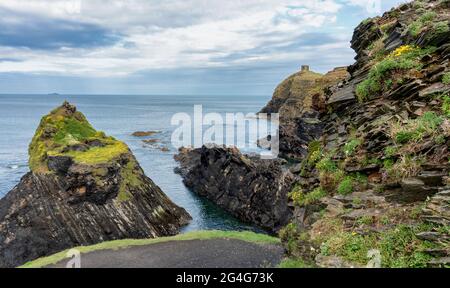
(83, 188)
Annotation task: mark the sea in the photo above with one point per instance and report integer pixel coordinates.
(120, 116)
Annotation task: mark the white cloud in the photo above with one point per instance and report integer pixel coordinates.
(170, 34)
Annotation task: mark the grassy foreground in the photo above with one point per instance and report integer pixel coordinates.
(120, 244)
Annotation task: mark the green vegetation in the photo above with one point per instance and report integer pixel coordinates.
(417, 129)
(403, 59)
(65, 128)
(314, 155)
(326, 164)
(418, 5)
(290, 263)
(301, 199)
(441, 27)
(446, 105)
(129, 181)
(366, 21)
(399, 247)
(365, 220)
(120, 244)
(390, 151)
(289, 235)
(346, 186)
(416, 27)
(377, 50)
(446, 78)
(314, 152)
(428, 17)
(407, 166)
(351, 146)
(98, 155)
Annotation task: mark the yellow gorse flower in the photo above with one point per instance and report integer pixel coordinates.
(402, 50)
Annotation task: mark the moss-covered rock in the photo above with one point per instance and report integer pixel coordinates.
(65, 132)
(84, 188)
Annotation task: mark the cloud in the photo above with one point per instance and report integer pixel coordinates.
(147, 35)
(133, 40)
(26, 31)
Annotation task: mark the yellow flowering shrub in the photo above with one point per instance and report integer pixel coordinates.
(402, 50)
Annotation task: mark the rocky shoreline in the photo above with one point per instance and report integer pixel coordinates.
(252, 190)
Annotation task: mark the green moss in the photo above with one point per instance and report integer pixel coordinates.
(63, 128)
(97, 155)
(121, 244)
(72, 131)
(130, 181)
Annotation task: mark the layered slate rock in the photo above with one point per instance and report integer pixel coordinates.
(373, 130)
(251, 189)
(84, 188)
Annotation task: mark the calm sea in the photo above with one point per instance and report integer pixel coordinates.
(120, 116)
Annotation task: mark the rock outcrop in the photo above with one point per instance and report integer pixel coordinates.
(370, 150)
(299, 100)
(84, 188)
(253, 190)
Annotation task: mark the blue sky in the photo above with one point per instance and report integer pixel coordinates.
(210, 47)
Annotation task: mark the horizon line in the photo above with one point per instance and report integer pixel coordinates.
(101, 94)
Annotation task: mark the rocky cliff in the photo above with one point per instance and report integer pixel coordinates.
(376, 179)
(371, 160)
(299, 100)
(251, 189)
(84, 187)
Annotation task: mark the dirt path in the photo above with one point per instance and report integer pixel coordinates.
(215, 253)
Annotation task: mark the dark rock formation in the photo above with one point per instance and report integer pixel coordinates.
(253, 190)
(76, 196)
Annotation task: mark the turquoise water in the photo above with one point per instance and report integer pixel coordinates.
(120, 116)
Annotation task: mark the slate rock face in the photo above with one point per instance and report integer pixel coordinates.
(251, 189)
(76, 197)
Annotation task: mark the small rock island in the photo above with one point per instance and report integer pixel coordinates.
(83, 188)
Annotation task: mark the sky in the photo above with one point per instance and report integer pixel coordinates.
(176, 47)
